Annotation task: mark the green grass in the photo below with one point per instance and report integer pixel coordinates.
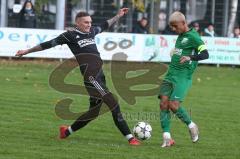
(29, 125)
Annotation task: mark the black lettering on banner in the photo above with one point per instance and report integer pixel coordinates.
(110, 45)
(123, 43)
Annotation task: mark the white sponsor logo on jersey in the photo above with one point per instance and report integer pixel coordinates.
(86, 42)
(184, 40)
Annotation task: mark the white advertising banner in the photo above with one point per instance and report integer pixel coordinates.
(123, 46)
(127, 46)
(221, 50)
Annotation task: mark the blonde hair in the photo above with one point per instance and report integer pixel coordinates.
(177, 17)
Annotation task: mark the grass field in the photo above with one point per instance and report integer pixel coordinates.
(29, 125)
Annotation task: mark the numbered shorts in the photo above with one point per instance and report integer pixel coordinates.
(175, 89)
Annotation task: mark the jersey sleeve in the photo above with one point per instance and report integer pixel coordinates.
(198, 43)
(101, 28)
(63, 38)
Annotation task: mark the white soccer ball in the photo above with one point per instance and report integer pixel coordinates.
(142, 130)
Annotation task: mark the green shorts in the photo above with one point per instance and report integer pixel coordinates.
(176, 89)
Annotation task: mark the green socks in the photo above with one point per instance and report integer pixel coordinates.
(165, 117)
(183, 115)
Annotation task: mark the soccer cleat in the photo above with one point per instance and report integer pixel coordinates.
(194, 133)
(134, 142)
(167, 140)
(63, 130)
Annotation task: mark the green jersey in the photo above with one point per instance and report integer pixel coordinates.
(188, 43)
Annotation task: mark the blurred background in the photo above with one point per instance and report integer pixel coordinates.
(221, 15)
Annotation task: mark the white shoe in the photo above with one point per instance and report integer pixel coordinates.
(167, 140)
(194, 132)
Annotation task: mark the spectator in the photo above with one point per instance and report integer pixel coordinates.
(209, 31)
(141, 27)
(236, 33)
(27, 16)
(197, 27)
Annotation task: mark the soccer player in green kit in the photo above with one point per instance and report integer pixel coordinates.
(189, 49)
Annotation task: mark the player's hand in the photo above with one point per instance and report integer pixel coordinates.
(20, 53)
(184, 59)
(123, 11)
(172, 52)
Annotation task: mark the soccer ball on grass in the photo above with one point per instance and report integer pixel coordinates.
(142, 130)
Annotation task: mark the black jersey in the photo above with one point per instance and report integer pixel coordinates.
(77, 41)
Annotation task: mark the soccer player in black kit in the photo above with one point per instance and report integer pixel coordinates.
(81, 42)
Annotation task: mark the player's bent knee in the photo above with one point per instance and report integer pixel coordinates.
(174, 105)
(164, 105)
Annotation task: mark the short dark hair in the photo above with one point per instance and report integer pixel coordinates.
(195, 24)
(237, 27)
(210, 23)
(81, 14)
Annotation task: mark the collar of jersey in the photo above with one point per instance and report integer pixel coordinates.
(190, 29)
(76, 29)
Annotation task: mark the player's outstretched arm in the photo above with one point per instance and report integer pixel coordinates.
(60, 40)
(120, 13)
(20, 53)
